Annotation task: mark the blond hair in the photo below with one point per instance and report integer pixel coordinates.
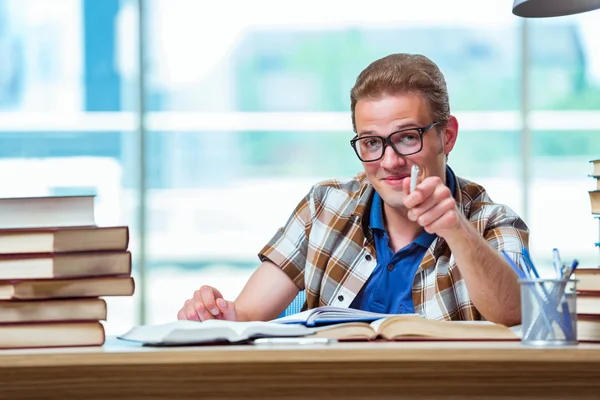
(403, 73)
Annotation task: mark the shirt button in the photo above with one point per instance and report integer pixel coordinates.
(390, 267)
(368, 257)
(341, 298)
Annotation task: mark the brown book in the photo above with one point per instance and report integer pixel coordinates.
(589, 279)
(411, 327)
(595, 201)
(596, 164)
(62, 240)
(68, 265)
(92, 309)
(65, 288)
(51, 334)
(50, 211)
(588, 302)
(588, 328)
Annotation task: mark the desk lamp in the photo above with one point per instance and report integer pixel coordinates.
(552, 8)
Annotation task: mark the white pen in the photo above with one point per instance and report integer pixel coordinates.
(557, 263)
(293, 340)
(414, 174)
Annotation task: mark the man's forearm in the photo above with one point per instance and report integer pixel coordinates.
(491, 282)
(266, 294)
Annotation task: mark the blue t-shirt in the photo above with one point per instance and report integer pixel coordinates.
(389, 288)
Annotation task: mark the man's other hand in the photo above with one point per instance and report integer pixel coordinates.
(207, 303)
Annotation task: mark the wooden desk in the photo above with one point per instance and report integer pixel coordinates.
(345, 371)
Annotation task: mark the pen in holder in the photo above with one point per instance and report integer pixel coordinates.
(548, 311)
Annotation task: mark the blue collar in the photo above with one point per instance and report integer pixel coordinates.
(451, 181)
(376, 215)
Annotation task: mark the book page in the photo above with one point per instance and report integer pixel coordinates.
(396, 327)
(346, 330)
(157, 333)
(330, 315)
(394, 319)
(182, 332)
(377, 323)
(300, 317)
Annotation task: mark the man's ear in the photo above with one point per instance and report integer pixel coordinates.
(450, 134)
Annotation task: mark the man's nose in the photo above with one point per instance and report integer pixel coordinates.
(391, 159)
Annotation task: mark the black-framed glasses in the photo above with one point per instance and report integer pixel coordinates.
(404, 142)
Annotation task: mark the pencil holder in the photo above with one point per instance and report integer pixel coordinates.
(548, 311)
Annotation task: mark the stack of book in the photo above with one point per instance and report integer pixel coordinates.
(588, 304)
(595, 195)
(56, 264)
(588, 287)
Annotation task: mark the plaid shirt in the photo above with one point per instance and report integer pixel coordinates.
(327, 248)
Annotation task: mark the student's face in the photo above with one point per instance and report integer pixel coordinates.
(389, 114)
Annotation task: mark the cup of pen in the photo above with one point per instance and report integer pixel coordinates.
(548, 311)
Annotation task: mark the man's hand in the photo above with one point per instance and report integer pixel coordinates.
(207, 303)
(266, 294)
(491, 282)
(432, 206)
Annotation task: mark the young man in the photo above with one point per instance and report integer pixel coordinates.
(368, 243)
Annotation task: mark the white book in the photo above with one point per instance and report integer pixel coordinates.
(43, 212)
(331, 315)
(210, 331)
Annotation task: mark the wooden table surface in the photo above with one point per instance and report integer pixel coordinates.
(120, 370)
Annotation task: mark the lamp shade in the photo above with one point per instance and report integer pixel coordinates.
(552, 8)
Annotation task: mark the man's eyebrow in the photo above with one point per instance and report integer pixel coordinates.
(406, 125)
(367, 133)
(397, 128)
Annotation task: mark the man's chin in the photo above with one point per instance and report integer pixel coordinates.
(396, 202)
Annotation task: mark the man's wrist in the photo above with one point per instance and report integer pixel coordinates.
(462, 234)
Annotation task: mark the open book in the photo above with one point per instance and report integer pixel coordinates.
(211, 331)
(331, 315)
(410, 326)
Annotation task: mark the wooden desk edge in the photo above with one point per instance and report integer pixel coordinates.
(341, 352)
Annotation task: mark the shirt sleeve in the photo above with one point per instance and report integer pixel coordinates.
(288, 247)
(506, 231)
